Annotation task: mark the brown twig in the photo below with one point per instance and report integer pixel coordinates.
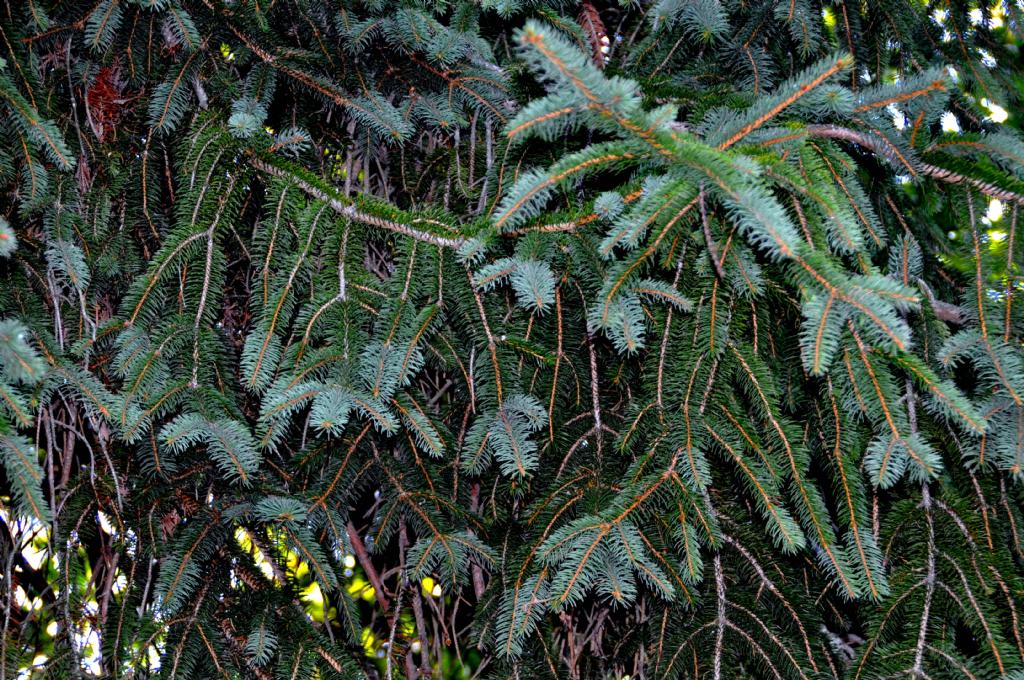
(367, 564)
(710, 242)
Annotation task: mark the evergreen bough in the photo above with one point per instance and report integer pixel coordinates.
(525, 339)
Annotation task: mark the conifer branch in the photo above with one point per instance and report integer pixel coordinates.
(841, 63)
(347, 209)
(336, 291)
(890, 153)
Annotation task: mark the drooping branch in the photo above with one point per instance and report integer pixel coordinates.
(887, 150)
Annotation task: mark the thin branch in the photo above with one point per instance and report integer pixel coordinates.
(710, 242)
(926, 504)
(367, 564)
(595, 398)
(202, 306)
(403, 542)
(1007, 325)
(922, 632)
(721, 621)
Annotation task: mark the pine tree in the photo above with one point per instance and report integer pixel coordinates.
(673, 339)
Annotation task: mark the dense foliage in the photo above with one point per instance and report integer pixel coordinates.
(511, 339)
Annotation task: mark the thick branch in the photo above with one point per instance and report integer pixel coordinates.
(350, 211)
(885, 149)
(944, 311)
